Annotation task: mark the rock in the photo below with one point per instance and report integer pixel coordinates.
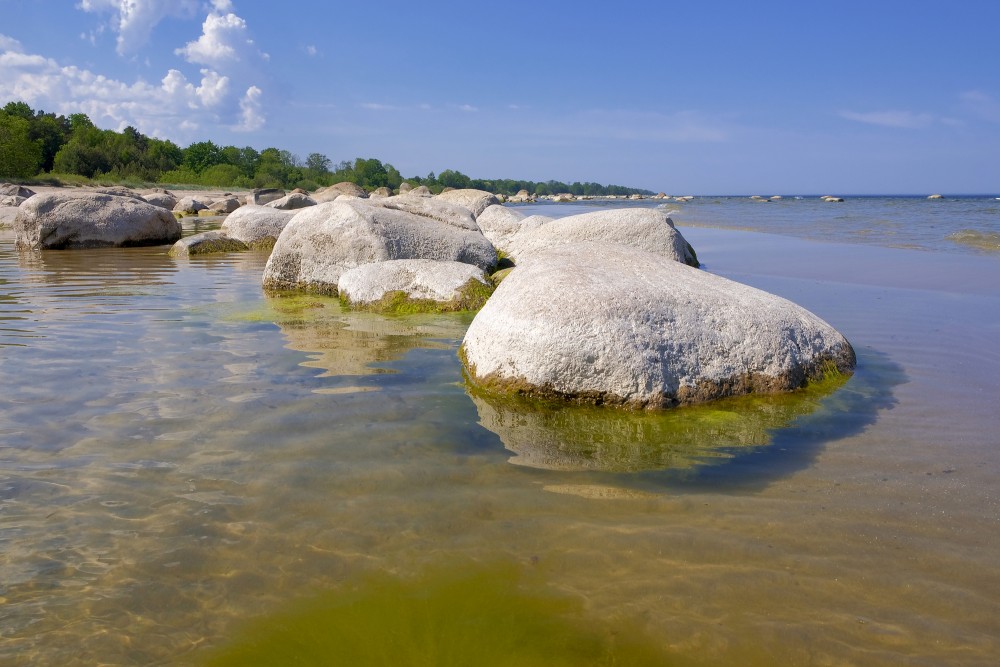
(339, 189)
(12, 201)
(381, 192)
(405, 187)
(607, 324)
(292, 202)
(225, 206)
(499, 224)
(474, 200)
(205, 243)
(14, 190)
(161, 199)
(420, 191)
(563, 197)
(120, 191)
(414, 285)
(256, 226)
(261, 196)
(299, 191)
(7, 216)
(321, 242)
(522, 196)
(90, 220)
(936, 197)
(189, 206)
(643, 228)
(428, 207)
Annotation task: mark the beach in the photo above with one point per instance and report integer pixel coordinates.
(181, 454)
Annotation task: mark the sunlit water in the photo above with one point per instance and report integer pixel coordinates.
(185, 460)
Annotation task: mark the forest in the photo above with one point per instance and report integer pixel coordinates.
(40, 146)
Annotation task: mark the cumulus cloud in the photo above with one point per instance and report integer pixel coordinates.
(224, 42)
(899, 119)
(134, 20)
(9, 44)
(173, 108)
(467, 107)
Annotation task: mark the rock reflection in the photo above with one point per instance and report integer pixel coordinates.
(341, 342)
(578, 438)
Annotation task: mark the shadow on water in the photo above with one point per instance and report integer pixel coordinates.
(454, 614)
(743, 442)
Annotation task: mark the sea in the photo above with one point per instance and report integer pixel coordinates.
(193, 471)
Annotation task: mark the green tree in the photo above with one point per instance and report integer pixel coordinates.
(318, 163)
(20, 157)
(201, 155)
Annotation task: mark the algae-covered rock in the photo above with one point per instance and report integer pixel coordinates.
(256, 226)
(206, 243)
(608, 324)
(414, 285)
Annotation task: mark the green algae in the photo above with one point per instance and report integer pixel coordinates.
(455, 615)
(470, 297)
(559, 436)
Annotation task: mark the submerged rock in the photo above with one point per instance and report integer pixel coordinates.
(641, 228)
(89, 220)
(607, 324)
(321, 242)
(415, 285)
(205, 243)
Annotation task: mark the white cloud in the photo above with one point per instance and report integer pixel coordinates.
(467, 107)
(224, 42)
(982, 105)
(899, 119)
(312, 51)
(375, 106)
(134, 20)
(9, 44)
(173, 108)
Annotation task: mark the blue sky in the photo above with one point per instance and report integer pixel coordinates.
(688, 98)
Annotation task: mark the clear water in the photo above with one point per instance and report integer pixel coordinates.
(185, 461)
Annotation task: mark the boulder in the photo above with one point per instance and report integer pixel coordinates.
(292, 202)
(7, 216)
(430, 207)
(120, 191)
(608, 324)
(256, 226)
(205, 243)
(14, 190)
(189, 206)
(225, 206)
(499, 224)
(420, 191)
(414, 285)
(936, 197)
(12, 200)
(261, 196)
(337, 190)
(405, 187)
(474, 200)
(381, 192)
(522, 196)
(321, 242)
(642, 228)
(91, 220)
(161, 199)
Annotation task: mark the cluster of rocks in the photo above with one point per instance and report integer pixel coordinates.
(607, 307)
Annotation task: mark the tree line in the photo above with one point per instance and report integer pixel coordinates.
(36, 144)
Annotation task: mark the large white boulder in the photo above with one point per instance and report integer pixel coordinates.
(91, 220)
(428, 207)
(321, 242)
(609, 324)
(415, 284)
(338, 190)
(499, 224)
(256, 226)
(291, 202)
(641, 228)
(475, 200)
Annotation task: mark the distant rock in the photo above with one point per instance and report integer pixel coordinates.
(936, 197)
(225, 206)
(120, 191)
(414, 285)
(161, 199)
(474, 200)
(91, 220)
(7, 216)
(522, 196)
(205, 243)
(643, 228)
(256, 226)
(189, 206)
(338, 189)
(261, 196)
(420, 191)
(322, 242)
(12, 201)
(381, 192)
(292, 202)
(14, 190)
(405, 187)
(611, 325)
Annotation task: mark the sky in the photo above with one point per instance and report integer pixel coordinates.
(707, 97)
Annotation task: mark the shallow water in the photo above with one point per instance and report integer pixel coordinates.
(183, 457)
